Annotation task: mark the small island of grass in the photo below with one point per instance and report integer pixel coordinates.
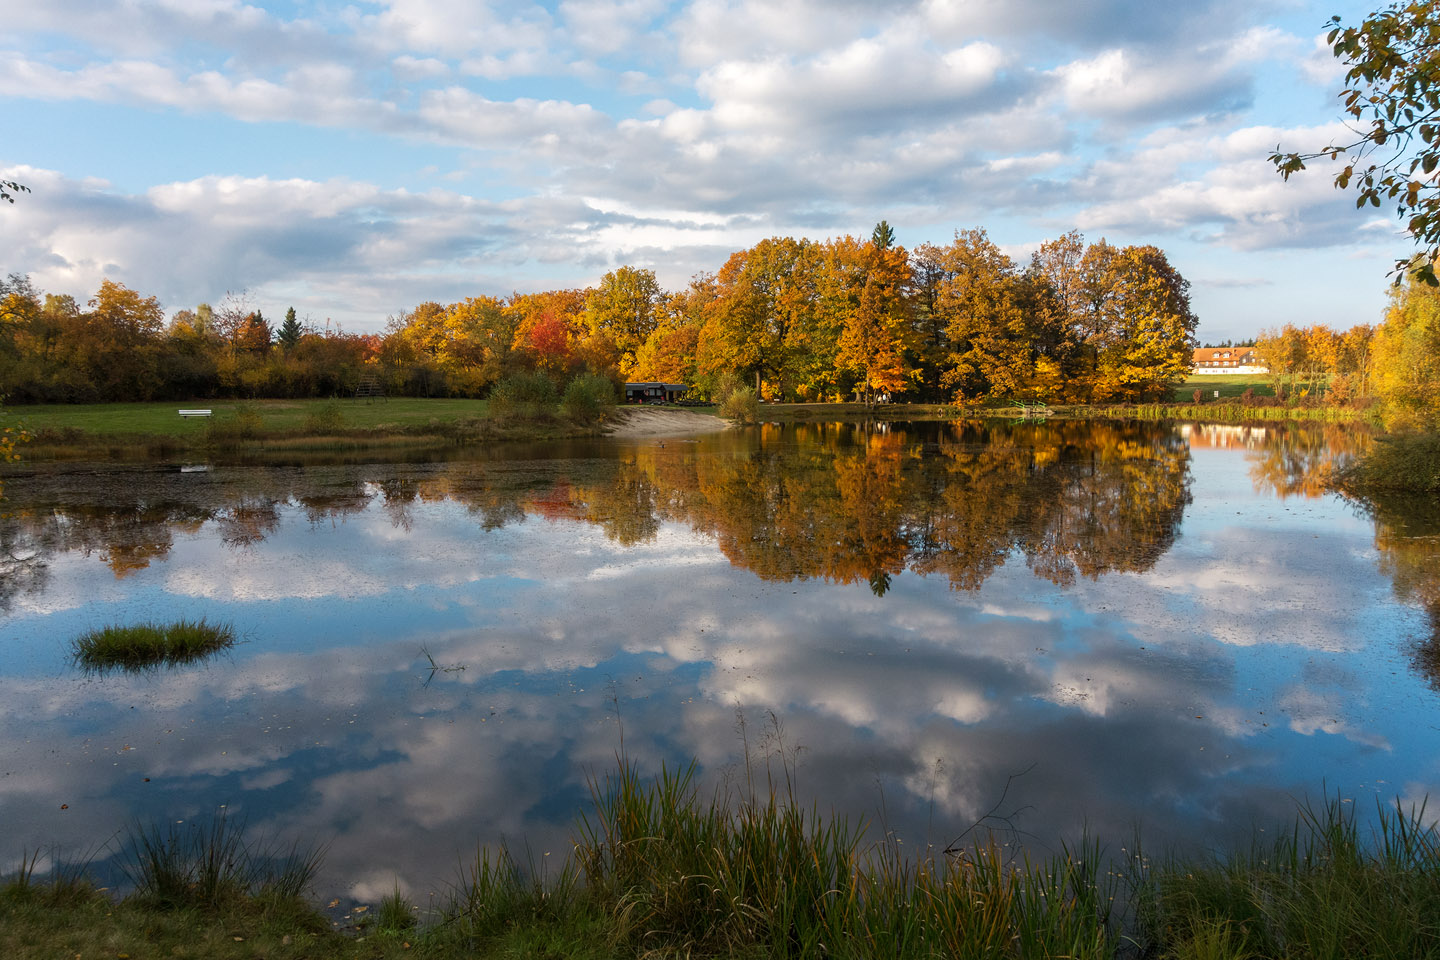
(142, 645)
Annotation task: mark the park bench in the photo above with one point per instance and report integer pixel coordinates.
(194, 413)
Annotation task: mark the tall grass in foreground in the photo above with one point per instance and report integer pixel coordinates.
(143, 645)
(660, 871)
(210, 865)
(1326, 889)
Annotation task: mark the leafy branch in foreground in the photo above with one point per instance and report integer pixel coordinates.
(8, 189)
(1392, 98)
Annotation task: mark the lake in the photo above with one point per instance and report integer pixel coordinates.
(1039, 629)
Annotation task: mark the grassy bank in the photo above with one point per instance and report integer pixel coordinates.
(129, 430)
(660, 871)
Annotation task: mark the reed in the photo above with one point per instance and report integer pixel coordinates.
(1214, 413)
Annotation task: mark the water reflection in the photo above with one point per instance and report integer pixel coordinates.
(1116, 609)
(841, 504)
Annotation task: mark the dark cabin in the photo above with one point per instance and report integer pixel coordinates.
(654, 392)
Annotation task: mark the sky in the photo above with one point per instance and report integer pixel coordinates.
(354, 159)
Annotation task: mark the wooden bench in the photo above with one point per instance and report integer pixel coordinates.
(194, 413)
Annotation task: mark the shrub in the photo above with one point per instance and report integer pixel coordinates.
(1198, 396)
(523, 395)
(244, 423)
(742, 406)
(328, 418)
(588, 398)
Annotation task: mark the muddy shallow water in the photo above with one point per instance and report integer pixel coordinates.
(1151, 625)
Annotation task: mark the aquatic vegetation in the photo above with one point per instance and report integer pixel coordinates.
(657, 870)
(144, 645)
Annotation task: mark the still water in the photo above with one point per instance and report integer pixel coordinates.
(1068, 626)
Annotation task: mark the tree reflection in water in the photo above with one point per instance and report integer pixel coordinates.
(837, 502)
(845, 503)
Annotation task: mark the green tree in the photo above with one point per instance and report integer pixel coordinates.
(289, 331)
(1392, 95)
(8, 189)
(883, 237)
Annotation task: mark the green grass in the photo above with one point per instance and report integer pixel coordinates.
(660, 870)
(143, 645)
(152, 430)
(163, 419)
(1229, 384)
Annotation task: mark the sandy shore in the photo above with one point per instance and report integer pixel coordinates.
(643, 422)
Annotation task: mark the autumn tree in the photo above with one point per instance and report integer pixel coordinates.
(1407, 358)
(765, 323)
(122, 334)
(929, 343)
(669, 354)
(865, 284)
(549, 330)
(998, 321)
(622, 309)
(254, 334)
(1148, 339)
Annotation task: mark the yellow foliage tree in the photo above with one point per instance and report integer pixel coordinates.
(1407, 358)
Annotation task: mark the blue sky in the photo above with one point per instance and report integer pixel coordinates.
(353, 160)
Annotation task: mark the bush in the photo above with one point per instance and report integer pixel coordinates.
(742, 406)
(244, 423)
(588, 398)
(325, 419)
(523, 395)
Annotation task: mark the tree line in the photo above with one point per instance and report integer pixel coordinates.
(797, 319)
(1396, 362)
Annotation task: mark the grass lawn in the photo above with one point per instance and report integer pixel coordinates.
(164, 420)
(1229, 385)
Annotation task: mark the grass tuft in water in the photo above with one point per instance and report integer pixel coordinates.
(150, 644)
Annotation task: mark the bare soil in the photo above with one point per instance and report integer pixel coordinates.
(642, 422)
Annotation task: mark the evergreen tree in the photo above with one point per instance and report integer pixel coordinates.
(289, 330)
(883, 236)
